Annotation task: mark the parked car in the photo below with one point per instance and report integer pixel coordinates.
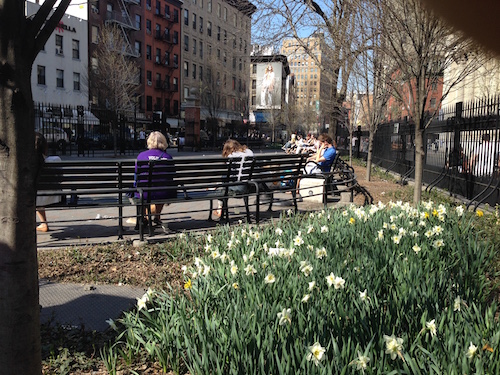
(55, 136)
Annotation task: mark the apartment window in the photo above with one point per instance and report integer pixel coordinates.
(254, 84)
(137, 47)
(254, 68)
(40, 74)
(149, 77)
(201, 24)
(149, 103)
(194, 46)
(194, 71)
(60, 78)
(254, 99)
(201, 49)
(176, 107)
(157, 31)
(186, 69)
(148, 27)
(225, 36)
(166, 34)
(433, 102)
(148, 4)
(175, 83)
(176, 15)
(158, 56)
(194, 21)
(218, 33)
(158, 104)
(240, 65)
(186, 17)
(76, 81)
(201, 73)
(148, 52)
(218, 53)
(167, 11)
(209, 28)
(167, 58)
(434, 86)
(158, 80)
(158, 8)
(234, 63)
(186, 92)
(59, 44)
(218, 10)
(138, 21)
(234, 20)
(186, 43)
(109, 11)
(176, 60)
(76, 49)
(225, 14)
(175, 40)
(233, 83)
(95, 34)
(209, 6)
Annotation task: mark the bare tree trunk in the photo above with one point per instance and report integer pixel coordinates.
(369, 156)
(419, 164)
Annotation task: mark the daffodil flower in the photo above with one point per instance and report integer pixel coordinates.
(431, 326)
(363, 295)
(278, 231)
(188, 285)
(312, 284)
(324, 229)
(285, 316)
(269, 279)
(250, 270)
(472, 351)
(316, 352)
(457, 304)
(320, 253)
(306, 298)
(393, 346)
(361, 362)
(416, 249)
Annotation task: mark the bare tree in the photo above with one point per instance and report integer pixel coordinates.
(211, 95)
(422, 46)
(21, 39)
(333, 21)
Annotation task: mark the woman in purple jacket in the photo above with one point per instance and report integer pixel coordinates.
(157, 145)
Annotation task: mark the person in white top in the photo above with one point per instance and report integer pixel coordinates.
(44, 200)
(482, 161)
(234, 149)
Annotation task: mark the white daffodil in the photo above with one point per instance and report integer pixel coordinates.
(402, 232)
(208, 248)
(269, 279)
(306, 298)
(234, 268)
(316, 352)
(250, 270)
(306, 268)
(338, 282)
(248, 241)
(223, 257)
(385, 225)
(361, 362)
(215, 254)
(209, 238)
(416, 248)
(438, 229)
(457, 304)
(330, 279)
(206, 270)
(285, 316)
(324, 229)
(393, 226)
(297, 241)
(150, 293)
(141, 303)
(310, 229)
(429, 233)
(320, 253)
(310, 247)
(438, 243)
(414, 234)
(265, 247)
(363, 295)
(312, 284)
(278, 231)
(184, 269)
(380, 234)
(230, 244)
(278, 243)
(460, 210)
(236, 286)
(431, 326)
(393, 346)
(396, 239)
(471, 352)
(245, 258)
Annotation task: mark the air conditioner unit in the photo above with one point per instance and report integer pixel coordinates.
(95, 9)
(148, 7)
(59, 51)
(158, 60)
(150, 83)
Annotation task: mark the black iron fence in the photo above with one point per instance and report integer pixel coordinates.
(78, 130)
(462, 147)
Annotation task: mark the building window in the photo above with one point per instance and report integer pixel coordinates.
(201, 73)
(167, 11)
(59, 45)
(158, 56)
(186, 69)
(254, 84)
(138, 21)
(148, 52)
(95, 34)
(225, 36)
(167, 58)
(158, 81)
(176, 107)
(186, 43)
(209, 28)
(149, 103)
(149, 77)
(434, 86)
(176, 15)
(175, 40)
(40, 73)
(234, 63)
(225, 14)
(158, 8)
(176, 60)
(76, 81)
(254, 68)
(194, 46)
(148, 27)
(60, 78)
(194, 71)
(175, 83)
(148, 4)
(76, 49)
(201, 49)
(218, 10)
(433, 102)
(186, 92)
(194, 21)
(137, 48)
(186, 17)
(209, 6)
(218, 33)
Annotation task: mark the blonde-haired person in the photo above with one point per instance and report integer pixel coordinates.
(234, 149)
(157, 145)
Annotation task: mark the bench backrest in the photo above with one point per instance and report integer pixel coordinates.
(277, 168)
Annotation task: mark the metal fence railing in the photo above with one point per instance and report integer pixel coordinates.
(462, 148)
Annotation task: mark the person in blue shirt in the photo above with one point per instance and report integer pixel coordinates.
(323, 159)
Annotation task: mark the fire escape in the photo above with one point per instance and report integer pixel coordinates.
(121, 18)
(168, 62)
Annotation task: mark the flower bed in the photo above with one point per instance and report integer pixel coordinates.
(373, 290)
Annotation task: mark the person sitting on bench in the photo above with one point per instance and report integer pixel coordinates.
(322, 161)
